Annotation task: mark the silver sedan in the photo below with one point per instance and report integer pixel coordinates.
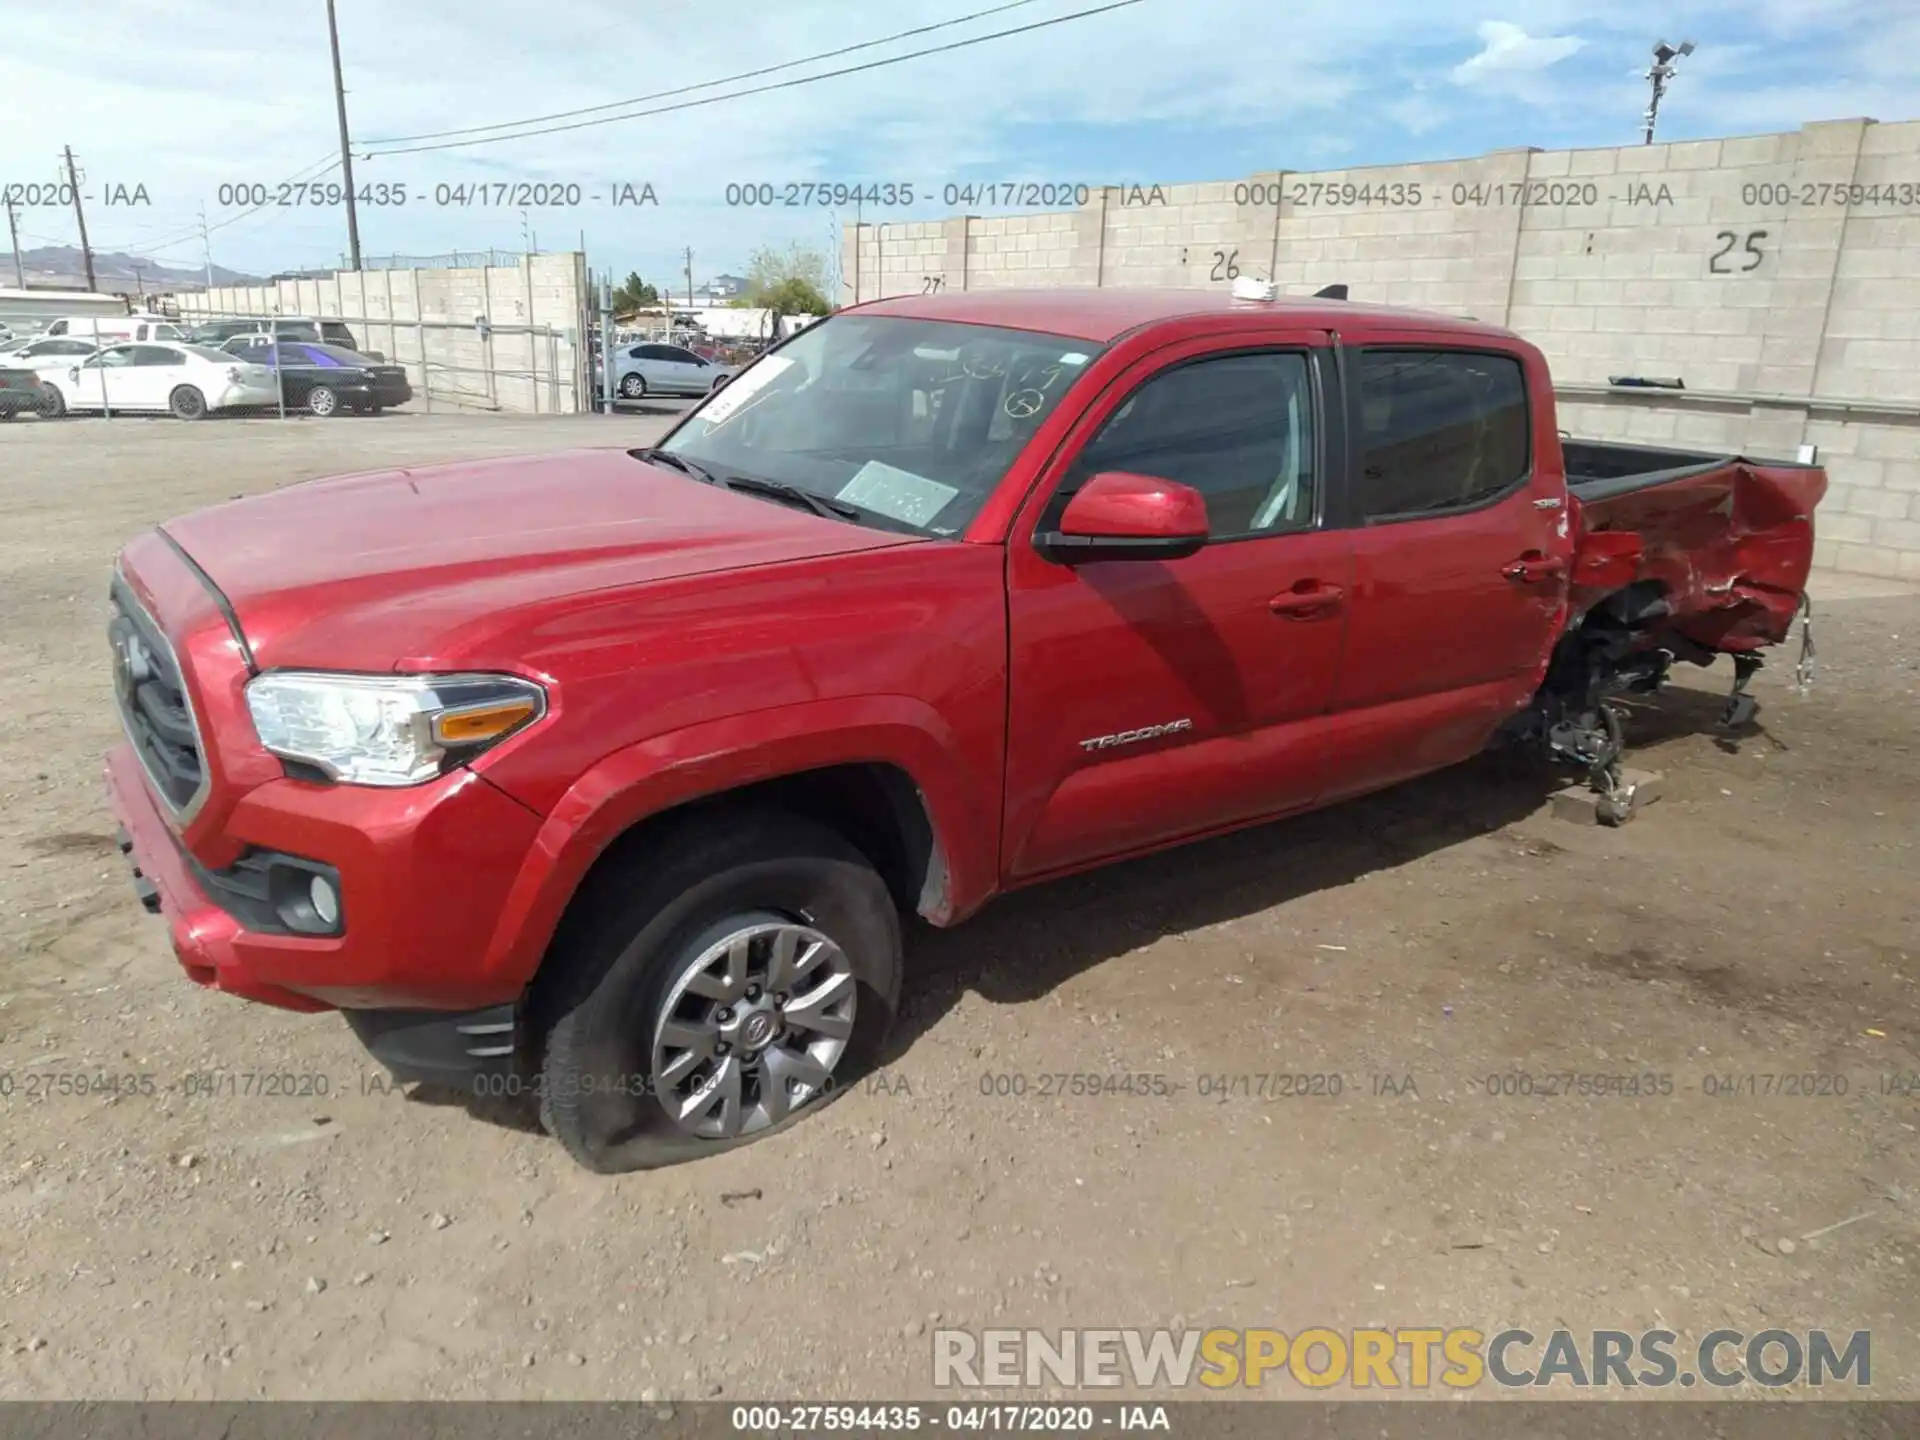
(651, 368)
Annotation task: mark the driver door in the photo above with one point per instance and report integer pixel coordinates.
(106, 379)
(1156, 700)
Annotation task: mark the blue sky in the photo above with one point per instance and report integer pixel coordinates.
(188, 97)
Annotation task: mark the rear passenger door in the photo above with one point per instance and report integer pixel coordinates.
(678, 369)
(1460, 551)
(151, 379)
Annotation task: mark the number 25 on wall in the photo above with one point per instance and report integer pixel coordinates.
(1718, 263)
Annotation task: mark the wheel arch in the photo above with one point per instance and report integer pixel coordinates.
(897, 792)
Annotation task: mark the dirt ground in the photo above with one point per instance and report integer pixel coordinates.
(1760, 919)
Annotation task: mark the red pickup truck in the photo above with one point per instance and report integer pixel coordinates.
(609, 776)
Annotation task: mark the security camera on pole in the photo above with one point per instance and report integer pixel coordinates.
(1661, 71)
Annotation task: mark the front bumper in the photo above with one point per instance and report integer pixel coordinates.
(437, 1047)
(423, 871)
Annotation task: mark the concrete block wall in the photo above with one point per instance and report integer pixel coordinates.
(424, 319)
(1778, 276)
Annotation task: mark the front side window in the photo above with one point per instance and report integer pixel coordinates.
(155, 355)
(914, 422)
(1440, 430)
(1239, 429)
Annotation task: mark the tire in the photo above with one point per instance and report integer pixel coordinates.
(633, 387)
(622, 965)
(375, 408)
(323, 400)
(53, 405)
(187, 403)
(718, 381)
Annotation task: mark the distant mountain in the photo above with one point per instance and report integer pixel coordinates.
(113, 271)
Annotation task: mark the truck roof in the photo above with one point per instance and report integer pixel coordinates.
(1103, 314)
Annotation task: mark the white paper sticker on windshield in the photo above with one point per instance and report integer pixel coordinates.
(1073, 357)
(900, 494)
(737, 392)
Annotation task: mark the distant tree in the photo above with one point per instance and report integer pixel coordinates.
(771, 270)
(796, 295)
(633, 293)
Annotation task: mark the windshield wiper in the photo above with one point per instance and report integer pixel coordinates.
(780, 490)
(664, 457)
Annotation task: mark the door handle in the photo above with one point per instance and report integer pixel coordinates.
(1307, 600)
(1534, 568)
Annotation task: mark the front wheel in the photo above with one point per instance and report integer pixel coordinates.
(322, 401)
(632, 387)
(187, 403)
(53, 405)
(715, 990)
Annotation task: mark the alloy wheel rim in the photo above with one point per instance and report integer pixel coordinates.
(752, 1029)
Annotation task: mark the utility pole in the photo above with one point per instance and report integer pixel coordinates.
(689, 277)
(606, 344)
(346, 151)
(86, 250)
(206, 247)
(13, 234)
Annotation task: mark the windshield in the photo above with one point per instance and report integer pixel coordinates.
(912, 421)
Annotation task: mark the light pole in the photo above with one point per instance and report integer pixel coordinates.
(1661, 71)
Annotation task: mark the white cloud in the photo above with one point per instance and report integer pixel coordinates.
(1508, 51)
(1416, 112)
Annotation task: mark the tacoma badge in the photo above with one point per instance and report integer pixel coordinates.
(1129, 737)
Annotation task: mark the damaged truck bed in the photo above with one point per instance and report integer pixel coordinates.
(1677, 556)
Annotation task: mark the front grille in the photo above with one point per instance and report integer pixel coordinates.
(153, 703)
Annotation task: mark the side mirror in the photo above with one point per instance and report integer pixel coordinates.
(1121, 516)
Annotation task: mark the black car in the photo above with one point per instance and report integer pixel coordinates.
(326, 379)
(21, 390)
(299, 328)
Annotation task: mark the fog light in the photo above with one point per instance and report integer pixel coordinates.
(326, 904)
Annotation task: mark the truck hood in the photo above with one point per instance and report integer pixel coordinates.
(395, 567)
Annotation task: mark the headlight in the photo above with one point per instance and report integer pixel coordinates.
(388, 729)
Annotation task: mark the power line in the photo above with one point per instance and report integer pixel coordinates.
(704, 84)
(759, 89)
(306, 173)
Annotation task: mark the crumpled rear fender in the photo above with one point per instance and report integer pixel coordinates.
(1730, 547)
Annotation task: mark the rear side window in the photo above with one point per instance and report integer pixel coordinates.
(1439, 430)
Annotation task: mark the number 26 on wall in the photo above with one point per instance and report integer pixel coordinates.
(1719, 263)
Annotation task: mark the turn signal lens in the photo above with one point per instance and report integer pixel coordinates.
(481, 723)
